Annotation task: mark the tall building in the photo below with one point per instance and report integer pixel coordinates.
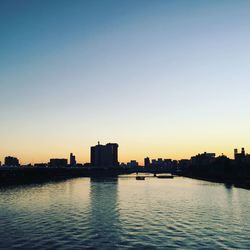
(104, 155)
(243, 152)
(146, 162)
(239, 156)
(11, 161)
(72, 160)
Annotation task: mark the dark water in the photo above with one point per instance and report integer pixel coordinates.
(124, 213)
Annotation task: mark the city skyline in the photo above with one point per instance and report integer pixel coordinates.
(160, 78)
(84, 156)
(107, 155)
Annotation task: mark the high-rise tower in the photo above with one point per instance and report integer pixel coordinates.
(104, 155)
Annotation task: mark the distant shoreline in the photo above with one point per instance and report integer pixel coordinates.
(239, 183)
(28, 175)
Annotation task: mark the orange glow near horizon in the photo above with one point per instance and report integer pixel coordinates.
(135, 141)
(125, 154)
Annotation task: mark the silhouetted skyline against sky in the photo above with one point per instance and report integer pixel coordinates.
(157, 77)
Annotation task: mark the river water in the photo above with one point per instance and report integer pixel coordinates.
(125, 213)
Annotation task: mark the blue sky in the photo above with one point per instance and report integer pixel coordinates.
(161, 78)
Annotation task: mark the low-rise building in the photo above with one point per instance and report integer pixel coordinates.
(58, 163)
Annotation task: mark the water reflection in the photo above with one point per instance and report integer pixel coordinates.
(104, 212)
(125, 213)
(228, 186)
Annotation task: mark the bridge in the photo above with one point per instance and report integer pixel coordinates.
(23, 175)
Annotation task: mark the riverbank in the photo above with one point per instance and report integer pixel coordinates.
(33, 175)
(236, 182)
(26, 175)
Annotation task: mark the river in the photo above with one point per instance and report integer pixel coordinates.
(125, 213)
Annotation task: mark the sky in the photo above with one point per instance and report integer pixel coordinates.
(161, 78)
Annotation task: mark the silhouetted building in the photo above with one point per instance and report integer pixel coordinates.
(239, 156)
(154, 162)
(162, 163)
(11, 161)
(58, 162)
(203, 159)
(72, 160)
(104, 155)
(146, 162)
(123, 165)
(168, 163)
(222, 160)
(247, 158)
(133, 163)
(79, 165)
(40, 165)
(183, 164)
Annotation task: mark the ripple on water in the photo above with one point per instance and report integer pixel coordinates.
(125, 214)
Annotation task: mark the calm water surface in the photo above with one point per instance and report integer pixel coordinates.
(124, 213)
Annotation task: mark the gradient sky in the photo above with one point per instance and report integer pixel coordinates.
(161, 78)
